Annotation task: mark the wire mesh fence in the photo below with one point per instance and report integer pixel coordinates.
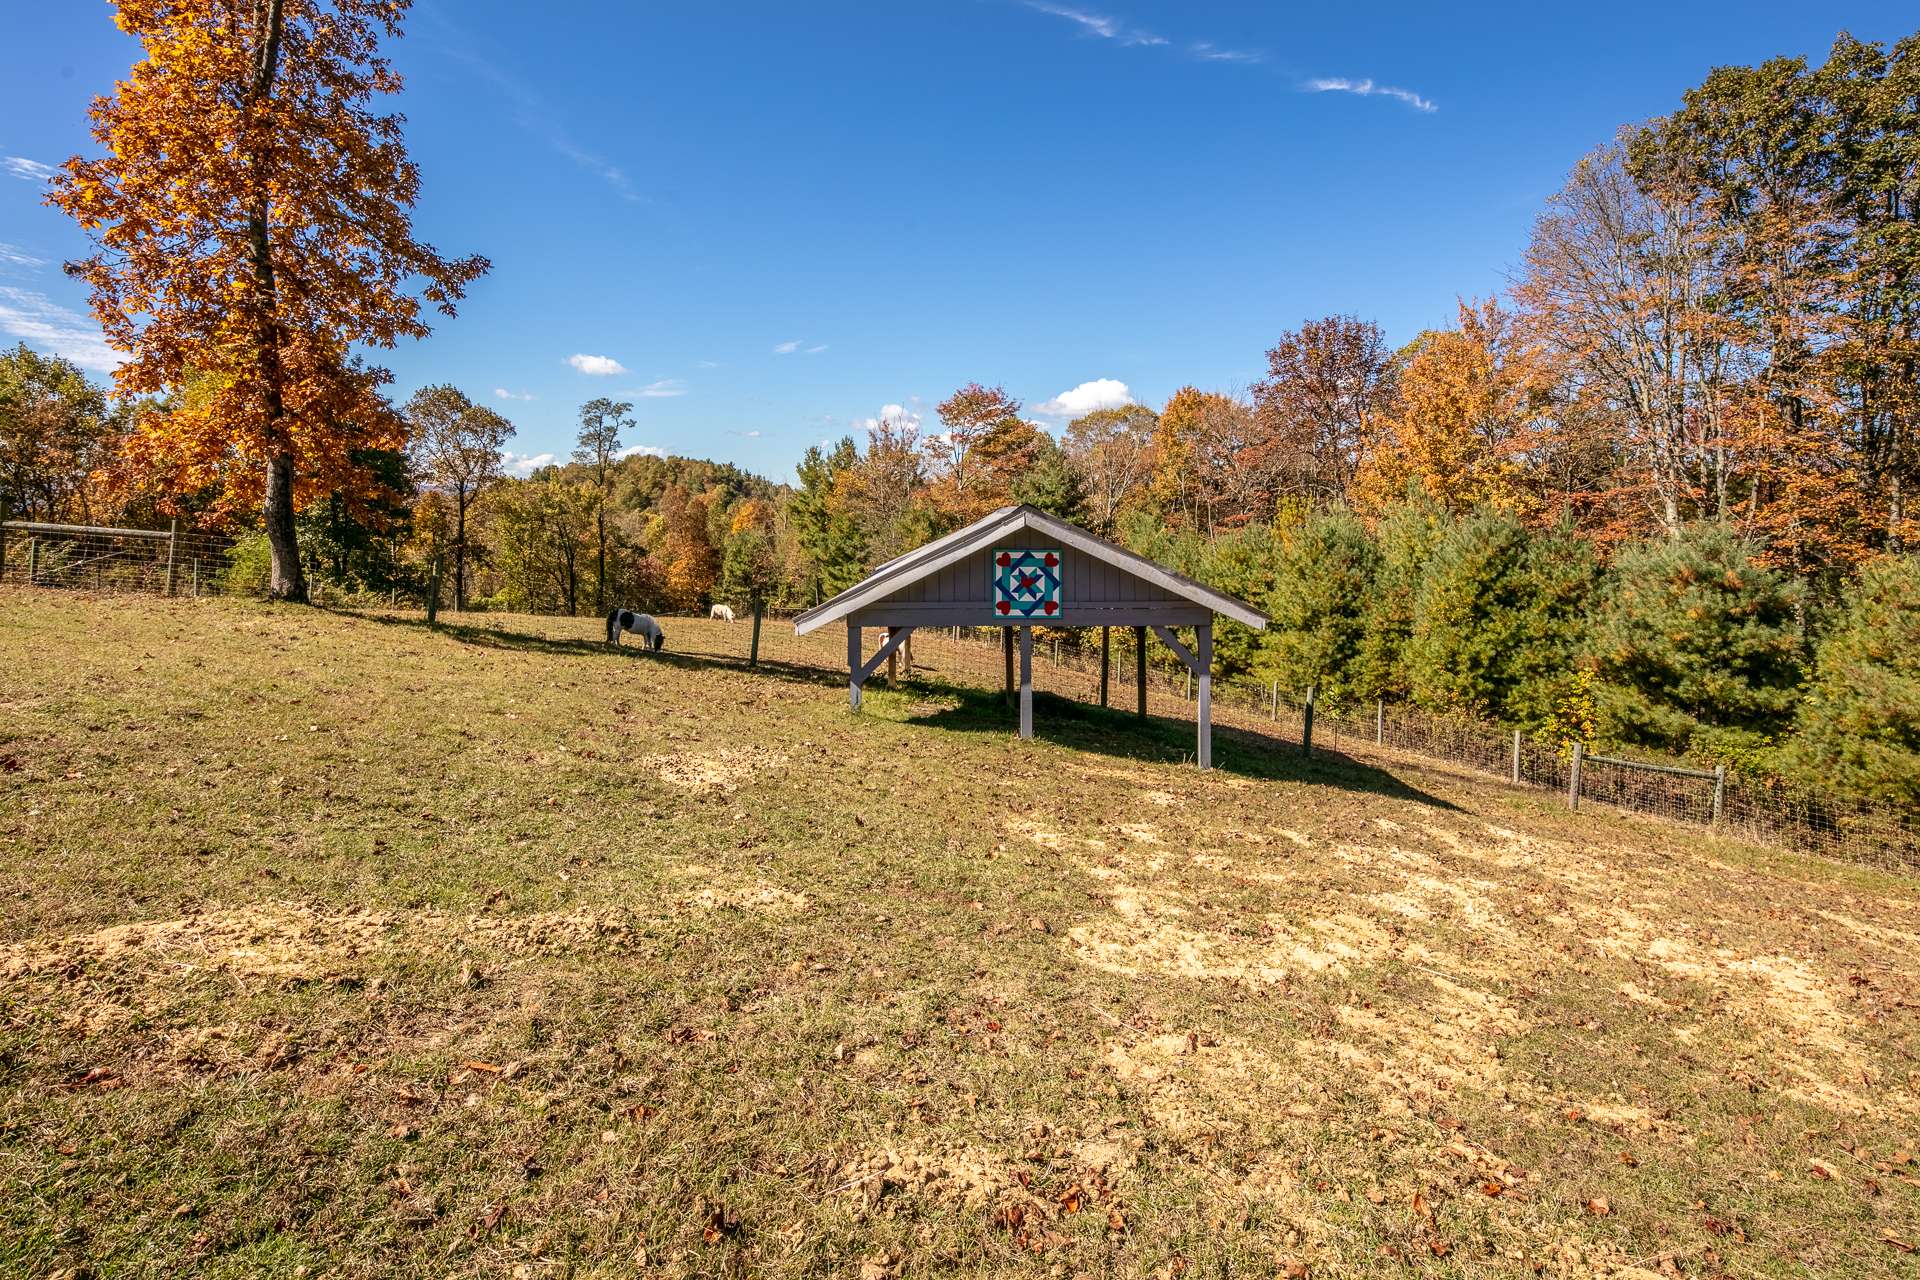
(173, 562)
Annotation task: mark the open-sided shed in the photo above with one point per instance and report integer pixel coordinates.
(1019, 568)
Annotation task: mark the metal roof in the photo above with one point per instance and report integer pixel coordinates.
(922, 562)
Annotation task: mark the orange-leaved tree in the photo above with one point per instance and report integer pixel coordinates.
(251, 223)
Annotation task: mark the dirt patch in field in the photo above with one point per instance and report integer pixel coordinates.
(724, 770)
(718, 892)
(292, 941)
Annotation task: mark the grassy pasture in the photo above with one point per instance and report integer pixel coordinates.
(335, 946)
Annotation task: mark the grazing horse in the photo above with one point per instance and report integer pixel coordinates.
(641, 624)
(724, 612)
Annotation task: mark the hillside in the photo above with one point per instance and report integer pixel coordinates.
(338, 943)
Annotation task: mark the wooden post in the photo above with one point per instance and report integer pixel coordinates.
(1719, 793)
(753, 645)
(1140, 668)
(893, 664)
(1203, 654)
(196, 577)
(1516, 757)
(1306, 723)
(33, 561)
(1188, 694)
(1573, 775)
(853, 666)
(1026, 682)
(1006, 654)
(1106, 660)
(1273, 701)
(6, 514)
(433, 590)
(1380, 722)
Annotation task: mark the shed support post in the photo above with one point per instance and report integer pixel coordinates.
(853, 666)
(1026, 682)
(1106, 660)
(1203, 652)
(1140, 669)
(1006, 653)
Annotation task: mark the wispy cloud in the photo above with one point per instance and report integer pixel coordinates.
(1101, 393)
(525, 464)
(708, 364)
(786, 348)
(1368, 89)
(26, 170)
(1098, 24)
(641, 450)
(751, 435)
(504, 394)
(814, 351)
(596, 366)
(14, 256)
(36, 318)
(898, 415)
(536, 117)
(1207, 51)
(664, 389)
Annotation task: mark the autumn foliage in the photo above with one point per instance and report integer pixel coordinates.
(251, 221)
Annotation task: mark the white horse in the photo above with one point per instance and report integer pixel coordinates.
(723, 612)
(641, 624)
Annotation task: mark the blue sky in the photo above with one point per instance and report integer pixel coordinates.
(764, 222)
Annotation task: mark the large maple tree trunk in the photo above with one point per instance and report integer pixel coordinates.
(287, 581)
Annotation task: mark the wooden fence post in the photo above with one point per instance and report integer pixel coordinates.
(1719, 793)
(1516, 757)
(1106, 660)
(196, 577)
(1273, 700)
(433, 593)
(1380, 722)
(1573, 775)
(6, 514)
(33, 561)
(1306, 722)
(173, 540)
(753, 645)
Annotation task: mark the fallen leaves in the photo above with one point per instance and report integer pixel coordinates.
(1599, 1206)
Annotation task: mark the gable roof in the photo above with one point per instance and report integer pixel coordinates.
(922, 562)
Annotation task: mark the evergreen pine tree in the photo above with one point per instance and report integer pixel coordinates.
(1404, 539)
(1860, 723)
(1697, 645)
(1322, 583)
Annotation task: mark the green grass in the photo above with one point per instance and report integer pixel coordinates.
(775, 989)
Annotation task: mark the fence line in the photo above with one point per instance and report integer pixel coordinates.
(171, 562)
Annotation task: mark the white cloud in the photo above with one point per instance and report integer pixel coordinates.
(708, 364)
(786, 348)
(26, 170)
(525, 464)
(1101, 393)
(641, 450)
(1207, 52)
(897, 414)
(1368, 89)
(45, 323)
(596, 366)
(1098, 24)
(662, 389)
(505, 394)
(814, 351)
(14, 256)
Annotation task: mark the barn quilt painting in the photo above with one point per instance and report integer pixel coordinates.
(1026, 584)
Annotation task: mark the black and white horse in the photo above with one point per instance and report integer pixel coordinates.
(641, 624)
